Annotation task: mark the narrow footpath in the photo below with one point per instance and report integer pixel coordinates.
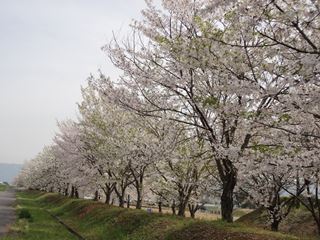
(7, 211)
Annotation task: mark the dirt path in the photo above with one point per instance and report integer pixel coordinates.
(7, 212)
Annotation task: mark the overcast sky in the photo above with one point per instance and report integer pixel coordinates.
(47, 50)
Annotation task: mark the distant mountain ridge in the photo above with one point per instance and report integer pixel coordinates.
(9, 171)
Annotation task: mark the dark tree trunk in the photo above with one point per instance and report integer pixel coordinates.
(160, 206)
(121, 201)
(138, 176)
(66, 191)
(193, 209)
(139, 186)
(96, 195)
(173, 207)
(182, 208)
(108, 191)
(297, 202)
(121, 191)
(184, 196)
(121, 196)
(227, 196)
(139, 200)
(76, 193)
(275, 225)
(72, 191)
(108, 198)
(275, 210)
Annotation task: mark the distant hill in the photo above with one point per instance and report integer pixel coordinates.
(9, 171)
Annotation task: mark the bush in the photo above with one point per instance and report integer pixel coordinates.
(24, 214)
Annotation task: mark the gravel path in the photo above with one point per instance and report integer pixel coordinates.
(7, 212)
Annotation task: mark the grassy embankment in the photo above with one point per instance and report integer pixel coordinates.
(98, 221)
(3, 187)
(299, 222)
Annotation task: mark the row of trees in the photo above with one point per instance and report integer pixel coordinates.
(214, 96)
(115, 151)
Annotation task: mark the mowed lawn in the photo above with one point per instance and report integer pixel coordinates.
(97, 221)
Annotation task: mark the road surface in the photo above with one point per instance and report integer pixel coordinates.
(7, 212)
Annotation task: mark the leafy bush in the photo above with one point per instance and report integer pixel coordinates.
(24, 214)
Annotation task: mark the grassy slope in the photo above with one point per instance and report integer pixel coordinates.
(41, 226)
(3, 187)
(97, 221)
(299, 222)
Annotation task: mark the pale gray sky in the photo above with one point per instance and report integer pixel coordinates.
(47, 50)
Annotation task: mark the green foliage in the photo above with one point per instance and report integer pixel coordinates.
(3, 187)
(276, 150)
(249, 115)
(24, 214)
(285, 118)
(162, 40)
(211, 102)
(208, 29)
(230, 15)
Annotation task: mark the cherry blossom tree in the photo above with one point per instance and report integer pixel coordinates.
(173, 64)
(227, 88)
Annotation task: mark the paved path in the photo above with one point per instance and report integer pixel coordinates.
(7, 212)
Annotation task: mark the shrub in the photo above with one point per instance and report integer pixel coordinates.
(24, 214)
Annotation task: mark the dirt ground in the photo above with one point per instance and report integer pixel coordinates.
(7, 212)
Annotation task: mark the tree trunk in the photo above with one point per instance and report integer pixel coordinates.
(160, 206)
(173, 207)
(108, 197)
(138, 183)
(182, 208)
(96, 195)
(121, 195)
(121, 201)
(72, 192)
(227, 197)
(108, 192)
(66, 191)
(297, 202)
(120, 190)
(76, 192)
(275, 225)
(192, 209)
(139, 200)
(128, 201)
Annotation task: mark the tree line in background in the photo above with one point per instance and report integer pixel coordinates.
(215, 97)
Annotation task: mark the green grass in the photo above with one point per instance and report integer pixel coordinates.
(39, 226)
(299, 222)
(3, 187)
(98, 221)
